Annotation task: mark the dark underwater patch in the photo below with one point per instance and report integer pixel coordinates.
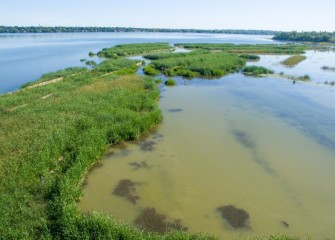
(127, 189)
(150, 220)
(237, 218)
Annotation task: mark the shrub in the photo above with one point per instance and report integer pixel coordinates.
(170, 82)
(256, 70)
(151, 71)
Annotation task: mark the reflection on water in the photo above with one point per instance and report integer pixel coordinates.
(233, 157)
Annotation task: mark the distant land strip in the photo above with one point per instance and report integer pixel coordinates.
(61, 29)
(294, 36)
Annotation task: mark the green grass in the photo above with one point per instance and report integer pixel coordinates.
(150, 70)
(170, 82)
(197, 63)
(248, 48)
(91, 63)
(256, 70)
(250, 57)
(52, 135)
(294, 60)
(133, 49)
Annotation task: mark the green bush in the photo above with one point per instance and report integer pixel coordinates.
(170, 82)
(249, 56)
(197, 63)
(256, 70)
(149, 70)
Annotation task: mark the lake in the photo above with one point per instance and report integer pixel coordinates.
(25, 57)
(234, 156)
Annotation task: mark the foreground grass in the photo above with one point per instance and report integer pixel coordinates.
(294, 60)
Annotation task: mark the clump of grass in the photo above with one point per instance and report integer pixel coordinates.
(304, 78)
(256, 70)
(294, 60)
(151, 71)
(111, 65)
(133, 49)
(158, 80)
(197, 63)
(91, 54)
(91, 63)
(170, 82)
(83, 60)
(250, 57)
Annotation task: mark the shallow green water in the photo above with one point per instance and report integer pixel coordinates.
(263, 145)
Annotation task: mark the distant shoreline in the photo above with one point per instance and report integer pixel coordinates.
(61, 29)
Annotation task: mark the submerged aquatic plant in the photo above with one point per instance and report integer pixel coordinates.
(237, 218)
(126, 188)
(152, 221)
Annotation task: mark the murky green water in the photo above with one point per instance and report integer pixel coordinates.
(262, 145)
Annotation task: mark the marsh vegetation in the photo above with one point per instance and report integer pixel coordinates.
(52, 135)
(133, 49)
(249, 49)
(196, 63)
(294, 60)
(45, 161)
(257, 71)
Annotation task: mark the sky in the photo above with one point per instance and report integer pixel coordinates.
(282, 15)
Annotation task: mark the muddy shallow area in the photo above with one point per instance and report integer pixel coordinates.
(235, 156)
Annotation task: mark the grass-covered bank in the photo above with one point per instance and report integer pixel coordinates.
(52, 134)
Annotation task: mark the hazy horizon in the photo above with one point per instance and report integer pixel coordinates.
(274, 15)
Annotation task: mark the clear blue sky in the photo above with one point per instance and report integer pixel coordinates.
(205, 14)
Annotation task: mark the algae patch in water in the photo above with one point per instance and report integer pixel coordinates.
(139, 165)
(147, 146)
(174, 110)
(127, 188)
(243, 138)
(152, 221)
(285, 224)
(237, 218)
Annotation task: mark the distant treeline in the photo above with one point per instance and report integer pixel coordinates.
(41, 29)
(306, 36)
